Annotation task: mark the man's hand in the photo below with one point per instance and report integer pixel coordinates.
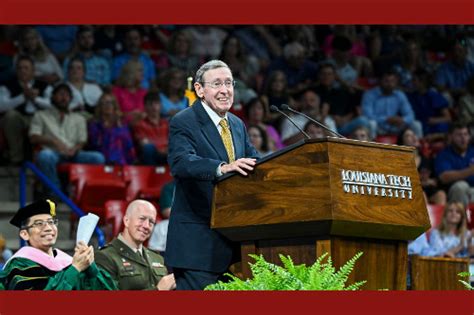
(83, 256)
(30, 94)
(449, 254)
(60, 147)
(242, 166)
(71, 152)
(167, 283)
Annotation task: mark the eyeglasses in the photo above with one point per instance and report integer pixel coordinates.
(41, 224)
(218, 84)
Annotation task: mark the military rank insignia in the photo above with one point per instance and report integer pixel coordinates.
(127, 266)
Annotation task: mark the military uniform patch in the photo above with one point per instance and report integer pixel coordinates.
(157, 265)
(127, 266)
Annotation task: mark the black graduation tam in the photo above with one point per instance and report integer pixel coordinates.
(40, 207)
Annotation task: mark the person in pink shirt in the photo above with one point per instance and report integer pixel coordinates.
(257, 114)
(130, 95)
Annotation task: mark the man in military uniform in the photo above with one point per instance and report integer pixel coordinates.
(132, 265)
(40, 266)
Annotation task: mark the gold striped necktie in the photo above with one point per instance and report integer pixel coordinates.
(227, 139)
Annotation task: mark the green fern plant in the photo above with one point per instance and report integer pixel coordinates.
(267, 276)
(467, 276)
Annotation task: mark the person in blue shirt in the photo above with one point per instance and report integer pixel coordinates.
(97, 67)
(452, 76)
(450, 239)
(300, 71)
(59, 38)
(431, 108)
(455, 165)
(133, 50)
(172, 83)
(387, 107)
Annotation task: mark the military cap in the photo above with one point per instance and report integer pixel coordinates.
(40, 207)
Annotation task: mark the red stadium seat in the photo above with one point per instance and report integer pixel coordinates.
(435, 213)
(114, 213)
(93, 185)
(145, 182)
(388, 139)
(63, 168)
(436, 147)
(470, 216)
(366, 83)
(238, 110)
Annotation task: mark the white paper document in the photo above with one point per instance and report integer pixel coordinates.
(86, 227)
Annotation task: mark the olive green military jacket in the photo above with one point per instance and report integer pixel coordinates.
(129, 269)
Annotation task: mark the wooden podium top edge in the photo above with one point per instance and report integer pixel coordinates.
(364, 143)
(442, 259)
(368, 144)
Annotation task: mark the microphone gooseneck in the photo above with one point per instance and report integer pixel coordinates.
(286, 107)
(276, 109)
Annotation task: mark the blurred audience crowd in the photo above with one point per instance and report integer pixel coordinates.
(411, 85)
(104, 94)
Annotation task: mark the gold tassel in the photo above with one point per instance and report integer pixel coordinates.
(189, 93)
(52, 208)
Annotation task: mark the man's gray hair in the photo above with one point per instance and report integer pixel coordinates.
(210, 65)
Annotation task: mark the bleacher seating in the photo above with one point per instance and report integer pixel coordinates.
(107, 190)
(114, 213)
(93, 185)
(145, 182)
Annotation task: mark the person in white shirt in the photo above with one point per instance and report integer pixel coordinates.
(85, 95)
(20, 98)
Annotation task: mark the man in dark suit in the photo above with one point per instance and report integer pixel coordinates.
(206, 141)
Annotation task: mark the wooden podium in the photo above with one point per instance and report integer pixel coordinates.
(333, 195)
(423, 271)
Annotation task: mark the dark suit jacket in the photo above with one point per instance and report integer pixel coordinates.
(195, 151)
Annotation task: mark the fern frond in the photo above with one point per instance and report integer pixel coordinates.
(321, 275)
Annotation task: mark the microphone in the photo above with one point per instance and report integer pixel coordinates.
(286, 107)
(273, 108)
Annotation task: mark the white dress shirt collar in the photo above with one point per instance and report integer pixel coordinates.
(213, 115)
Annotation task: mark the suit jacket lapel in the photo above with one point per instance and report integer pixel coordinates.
(237, 137)
(210, 131)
